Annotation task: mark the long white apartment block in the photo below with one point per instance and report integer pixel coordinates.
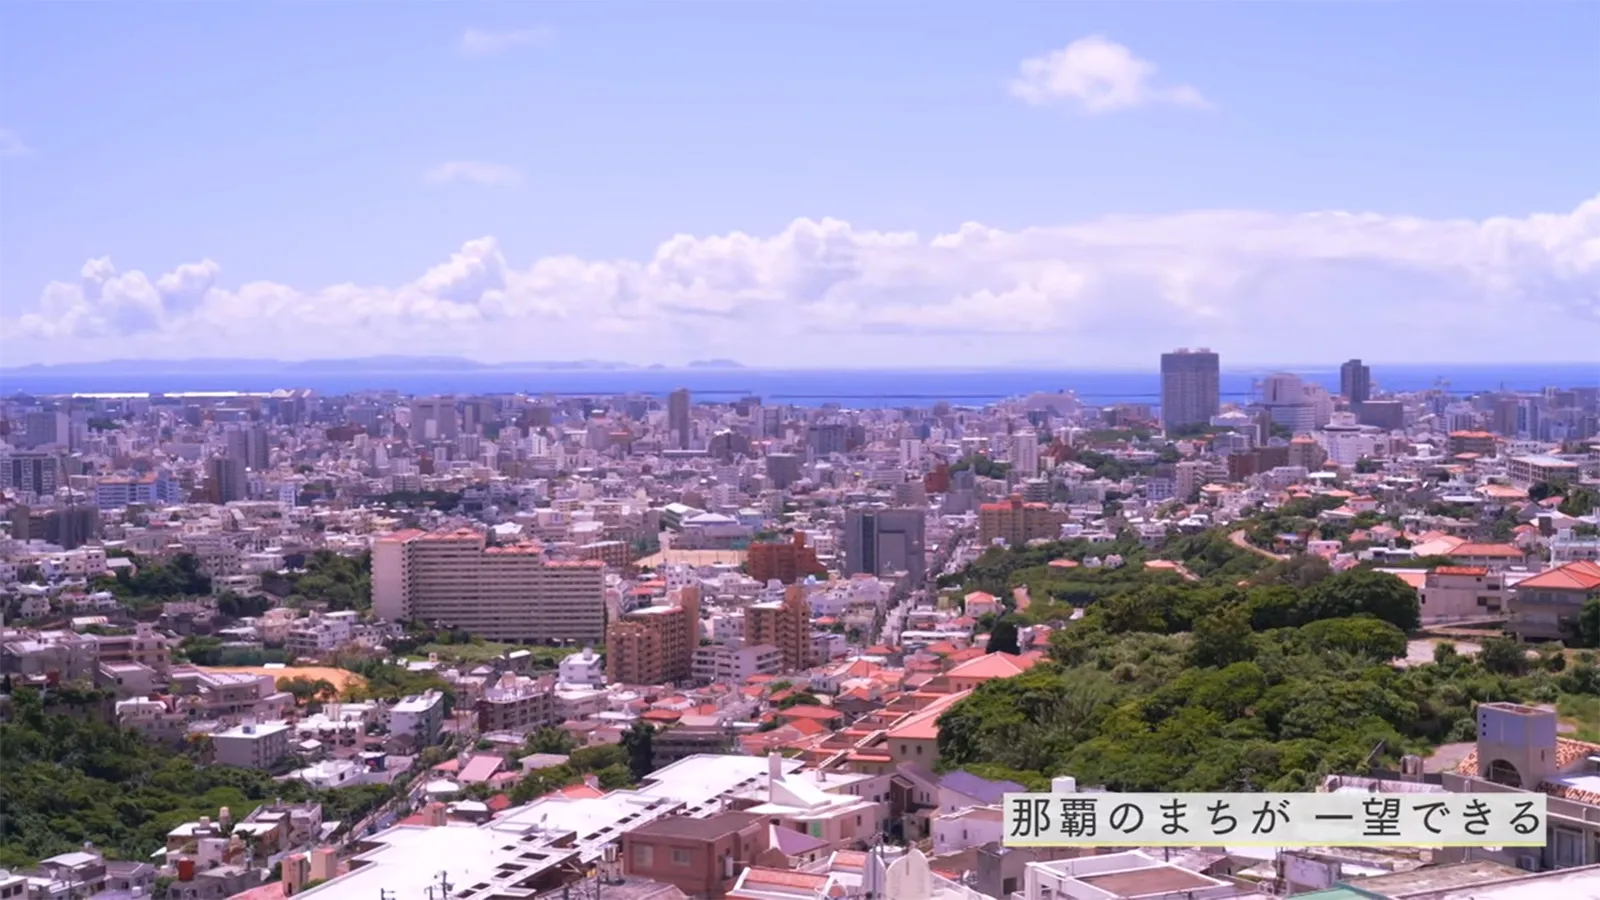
(501, 592)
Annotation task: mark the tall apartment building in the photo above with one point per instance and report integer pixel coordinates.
(787, 562)
(785, 624)
(678, 423)
(31, 471)
(509, 593)
(1017, 522)
(1025, 453)
(1190, 387)
(656, 644)
(879, 541)
(434, 419)
(248, 443)
(44, 429)
(225, 480)
(1355, 382)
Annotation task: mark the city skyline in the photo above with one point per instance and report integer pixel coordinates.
(1136, 192)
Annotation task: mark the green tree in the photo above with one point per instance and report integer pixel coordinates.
(1363, 635)
(1003, 637)
(1223, 638)
(1504, 656)
(638, 741)
(1589, 623)
(1357, 591)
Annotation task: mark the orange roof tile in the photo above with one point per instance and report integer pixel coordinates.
(1583, 575)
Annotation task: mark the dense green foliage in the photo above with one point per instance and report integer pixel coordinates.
(982, 466)
(340, 582)
(156, 582)
(1264, 684)
(608, 763)
(66, 779)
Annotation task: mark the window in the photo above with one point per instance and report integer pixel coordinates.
(1568, 847)
(644, 855)
(680, 857)
(919, 749)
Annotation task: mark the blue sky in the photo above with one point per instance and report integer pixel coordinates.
(323, 168)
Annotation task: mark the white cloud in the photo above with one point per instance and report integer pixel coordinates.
(11, 144)
(1098, 75)
(479, 42)
(475, 172)
(1259, 287)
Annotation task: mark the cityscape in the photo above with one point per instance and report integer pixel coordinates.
(799, 452)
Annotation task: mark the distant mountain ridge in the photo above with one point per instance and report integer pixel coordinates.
(375, 364)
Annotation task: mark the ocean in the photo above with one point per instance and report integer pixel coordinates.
(857, 388)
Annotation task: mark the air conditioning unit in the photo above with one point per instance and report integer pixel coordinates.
(1528, 862)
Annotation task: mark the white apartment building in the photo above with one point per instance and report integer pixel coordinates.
(587, 667)
(252, 746)
(319, 635)
(725, 664)
(510, 593)
(419, 716)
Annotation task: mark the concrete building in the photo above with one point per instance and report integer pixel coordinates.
(252, 745)
(1546, 606)
(656, 644)
(787, 562)
(1463, 592)
(418, 718)
(701, 857)
(1355, 382)
(679, 424)
(1017, 522)
(1529, 470)
(727, 664)
(1190, 387)
(517, 704)
(508, 593)
(882, 541)
(434, 419)
(784, 624)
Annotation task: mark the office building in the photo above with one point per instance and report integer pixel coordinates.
(68, 526)
(433, 419)
(783, 469)
(248, 443)
(509, 593)
(679, 425)
(1355, 382)
(44, 429)
(225, 480)
(882, 541)
(785, 624)
(1190, 388)
(656, 644)
(1017, 522)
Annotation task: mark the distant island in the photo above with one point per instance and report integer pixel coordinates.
(364, 365)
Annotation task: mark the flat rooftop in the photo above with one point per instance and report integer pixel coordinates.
(1154, 880)
(517, 854)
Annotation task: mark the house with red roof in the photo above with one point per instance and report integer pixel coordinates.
(1546, 606)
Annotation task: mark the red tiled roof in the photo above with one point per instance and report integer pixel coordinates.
(1486, 550)
(1583, 575)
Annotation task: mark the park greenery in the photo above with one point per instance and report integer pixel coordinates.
(334, 581)
(1261, 675)
(155, 582)
(66, 779)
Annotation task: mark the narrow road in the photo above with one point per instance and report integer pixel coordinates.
(1239, 540)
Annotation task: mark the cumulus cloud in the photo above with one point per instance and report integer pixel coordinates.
(473, 172)
(1098, 75)
(1260, 287)
(479, 42)
(11, 144)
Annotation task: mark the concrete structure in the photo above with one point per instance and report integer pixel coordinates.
(656, 644)
(252, 745)
(882, 541)
(1546, 605)
(1190, 387)
(510, 593)
(517, 704)
(1017, 523)
(785, 561)
(785, 624)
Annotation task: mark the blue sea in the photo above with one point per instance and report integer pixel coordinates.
(850, 388)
